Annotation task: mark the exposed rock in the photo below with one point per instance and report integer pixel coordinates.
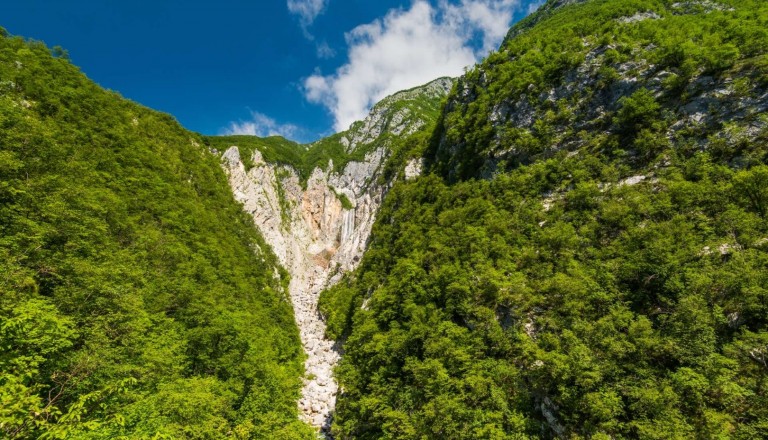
(640, 16)
(724, 249)
(706, 6)
(549, 411)
(710, 102)
(550, 199)
(632, 181)
(734, 320)
(315, 238)
(727, 249)
(400, 122)
(414, 169)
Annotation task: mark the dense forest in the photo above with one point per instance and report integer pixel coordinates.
(136, 298)
(586, 255)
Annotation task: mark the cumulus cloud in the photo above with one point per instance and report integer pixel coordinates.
(307, 11)
(262, 125)
(406, 48)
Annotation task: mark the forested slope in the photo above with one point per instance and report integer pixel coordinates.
(392, 125)
(136, 298)
(587, 254)
(315, 206)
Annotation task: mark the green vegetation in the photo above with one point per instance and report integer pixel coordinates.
(136, 298)
(664, 55)
(590, 274)
(633, 312)
(414, 104)
(274, 149)
(587, 256)
(345, 202)
(302, 158)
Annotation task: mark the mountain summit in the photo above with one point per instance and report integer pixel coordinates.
(316, 211)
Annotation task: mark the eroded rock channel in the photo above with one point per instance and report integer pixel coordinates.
(317, 240)
(320, 230)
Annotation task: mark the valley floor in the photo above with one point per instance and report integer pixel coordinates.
(318, 396)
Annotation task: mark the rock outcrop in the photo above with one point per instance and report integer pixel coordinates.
(316, 239)
(698, 103)
(319, 229)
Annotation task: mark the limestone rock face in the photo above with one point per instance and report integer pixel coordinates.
(593, 113)
(316, 240)
(317, 236)
(403, 121)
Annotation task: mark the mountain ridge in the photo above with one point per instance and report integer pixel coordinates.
(584, 253)
(136, 298)
(400, 114)
(568, 241)
(319, 225)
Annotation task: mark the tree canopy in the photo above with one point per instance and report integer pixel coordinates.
(596, 270)
(136, 298)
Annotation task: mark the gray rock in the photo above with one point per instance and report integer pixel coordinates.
(315, 238)
(640, 16)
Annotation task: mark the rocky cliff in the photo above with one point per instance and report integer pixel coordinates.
(528, 102)
(318, 225)
(586, 242)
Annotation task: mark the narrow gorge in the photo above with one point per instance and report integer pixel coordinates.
(569, 241)
(319, 227)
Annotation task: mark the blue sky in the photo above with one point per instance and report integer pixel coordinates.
(300, 68)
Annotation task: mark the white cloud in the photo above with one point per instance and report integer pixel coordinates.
(408, 48)
(307, 11)
(262, 125)
(325, 51)
(490, 18)
(534, 6)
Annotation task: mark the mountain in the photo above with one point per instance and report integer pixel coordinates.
(569, 241)
(136, 298)
(585, 254)
(315, 206)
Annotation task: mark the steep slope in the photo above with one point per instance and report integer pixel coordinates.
(585, 255)
(316, 210)
(676, 66)
(136, 299)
